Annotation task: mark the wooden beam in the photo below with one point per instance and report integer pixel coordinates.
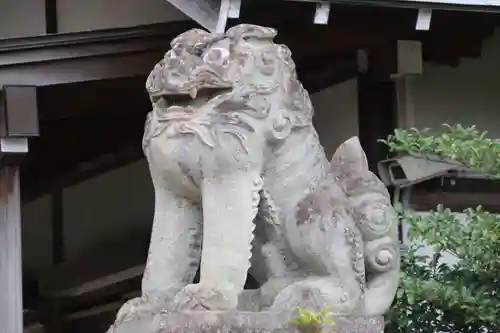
(105, 265)
(458, 202)
(353, 27)
(81, 70)
(82, 172)
(95, 311)
(111, 134)
(86, 56)
(11, 302)
(483, 6)
(451, 184)
(103, 282)
(95, 319)
(76, 45)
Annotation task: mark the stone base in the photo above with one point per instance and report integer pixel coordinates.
(235, 322)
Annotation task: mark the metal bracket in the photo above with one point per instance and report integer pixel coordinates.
(12, 150)
(424, 19)
(322, 13)
(10, 145)
(234, 9)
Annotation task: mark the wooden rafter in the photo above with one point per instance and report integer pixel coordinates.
(86, 56)
(480, 6)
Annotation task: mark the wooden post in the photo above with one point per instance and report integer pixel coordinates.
(377, 107)
(18, 121)
(11, 302)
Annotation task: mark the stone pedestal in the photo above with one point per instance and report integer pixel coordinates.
(235, 322)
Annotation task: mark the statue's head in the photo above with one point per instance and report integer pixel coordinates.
(223, 76)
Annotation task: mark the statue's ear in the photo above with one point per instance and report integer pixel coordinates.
(350, 157)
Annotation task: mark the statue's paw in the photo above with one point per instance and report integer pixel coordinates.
(134, 308)
(204, 297)
(314, 294)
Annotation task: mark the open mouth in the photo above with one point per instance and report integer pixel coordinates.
(193, 97)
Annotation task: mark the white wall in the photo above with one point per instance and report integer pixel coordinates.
(22, 18)
(336, 114)
(468, 94)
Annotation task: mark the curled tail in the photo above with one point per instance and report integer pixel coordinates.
(377, 221)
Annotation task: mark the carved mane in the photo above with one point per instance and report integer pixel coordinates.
(224, 68)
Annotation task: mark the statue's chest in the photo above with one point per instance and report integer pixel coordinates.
(179, 162)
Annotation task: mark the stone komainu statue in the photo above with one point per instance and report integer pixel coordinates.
(243, 185)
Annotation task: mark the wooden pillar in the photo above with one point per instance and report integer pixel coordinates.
(11, 302)
(376, 107)
(377, 101)
(384, 97)
(18, 120)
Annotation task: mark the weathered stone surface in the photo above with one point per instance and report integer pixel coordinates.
(237, 322)
(242, 184)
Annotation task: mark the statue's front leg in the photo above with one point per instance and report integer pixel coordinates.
(230, 204)
(175, 248)
(174, 253)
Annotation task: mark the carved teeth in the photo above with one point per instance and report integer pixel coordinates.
(193, 92)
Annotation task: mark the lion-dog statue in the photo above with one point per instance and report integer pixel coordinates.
(243, 185)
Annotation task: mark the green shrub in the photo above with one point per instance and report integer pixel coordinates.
(439, 296)
(435, 296)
